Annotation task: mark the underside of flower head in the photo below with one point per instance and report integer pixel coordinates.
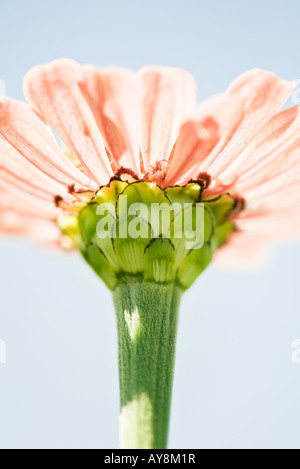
(237, 146)
(134, 227)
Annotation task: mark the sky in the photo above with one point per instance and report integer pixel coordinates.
(236, 382)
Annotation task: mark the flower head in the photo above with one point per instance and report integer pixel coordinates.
(237, 151)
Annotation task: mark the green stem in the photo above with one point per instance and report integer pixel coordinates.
(147, 315)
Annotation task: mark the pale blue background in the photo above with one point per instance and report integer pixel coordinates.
(235, 385)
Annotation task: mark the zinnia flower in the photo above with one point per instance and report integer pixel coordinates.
(141, 134)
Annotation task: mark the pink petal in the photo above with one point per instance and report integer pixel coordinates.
(54, 90)
(272, 179)
(18, 172)
(274, 154)
(27, 206)
(272, 227)
(33, 140)
(286, 199)
(41, 231)
(258, 231)
(25, 216)
(261, 95)
(169, 97)
(212, 120)
(115, 97)
(250, 247)
(244, 252)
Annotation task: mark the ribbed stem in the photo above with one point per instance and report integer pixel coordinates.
(147, 315)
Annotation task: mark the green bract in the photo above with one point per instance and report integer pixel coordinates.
(142, 230)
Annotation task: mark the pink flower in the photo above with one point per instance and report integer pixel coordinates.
(148, 122)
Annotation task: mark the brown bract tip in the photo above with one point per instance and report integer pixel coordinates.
(123, 173)
(204, 179)
(71, 189)
(57, 200)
